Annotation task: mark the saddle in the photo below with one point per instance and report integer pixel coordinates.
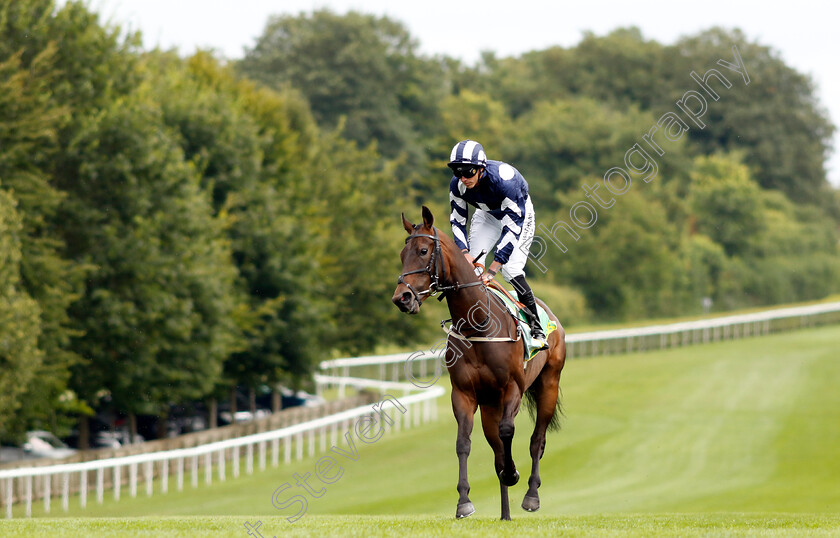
(517, 311)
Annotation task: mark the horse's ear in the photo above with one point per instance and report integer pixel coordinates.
(428, 218)
(407, 225)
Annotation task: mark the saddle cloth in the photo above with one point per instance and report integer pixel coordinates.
(548, 325)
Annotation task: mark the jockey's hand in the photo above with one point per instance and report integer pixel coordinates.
(491, 272)
(469, 257)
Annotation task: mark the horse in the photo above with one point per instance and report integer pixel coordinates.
(485, 359)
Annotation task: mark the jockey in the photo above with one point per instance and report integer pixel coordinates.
(504, 218)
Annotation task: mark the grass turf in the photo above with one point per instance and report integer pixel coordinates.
(737, 438)
(624, 525)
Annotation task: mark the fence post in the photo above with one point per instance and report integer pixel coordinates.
(83, 487)
(164, 476)
(47, 492)
(221, 465)
(132, 480)
(208, 468)
(249, 458)
(148, 472)
(180, 478)
(235, 462)
(28, 482)
(100, 485)
(117, 478)
(195, 471)
(10, 482)
(65, 492)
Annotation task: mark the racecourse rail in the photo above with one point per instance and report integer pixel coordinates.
(589, 344)
(29, 484)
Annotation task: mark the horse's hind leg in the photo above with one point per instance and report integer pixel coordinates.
(464, 408)
(546, 387)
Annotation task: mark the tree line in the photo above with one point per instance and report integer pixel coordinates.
(172, 227)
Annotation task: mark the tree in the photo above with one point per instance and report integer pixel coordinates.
(625, 263)
(561, 144)
(156, 314)
(354, 66)
(776, 120)
(28, 146)
(20, 357)
(252, 147)
(726, 203)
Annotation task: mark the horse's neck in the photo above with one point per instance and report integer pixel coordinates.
(475, 299)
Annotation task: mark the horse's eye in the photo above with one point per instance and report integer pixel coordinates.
(424, 251)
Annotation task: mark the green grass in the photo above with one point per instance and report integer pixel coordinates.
(732, 438)
(720, 524)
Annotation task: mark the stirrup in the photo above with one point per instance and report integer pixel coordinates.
(539, 337)
(542, 341)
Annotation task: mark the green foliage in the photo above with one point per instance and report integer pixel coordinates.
(561, 143)
(776, 120)
(625, 264)
(725, 202)
(359, 67)
(20, 358)
(156, 311)
(567, 303)
(28, 146)
(359, 249)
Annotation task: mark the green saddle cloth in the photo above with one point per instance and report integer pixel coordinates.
(548, 325)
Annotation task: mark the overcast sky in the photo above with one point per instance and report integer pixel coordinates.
(804, 32)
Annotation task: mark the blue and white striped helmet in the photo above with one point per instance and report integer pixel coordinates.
(468, 152)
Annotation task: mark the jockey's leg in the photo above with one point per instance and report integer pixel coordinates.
(484, 233)
(526, 296)
(514, 272)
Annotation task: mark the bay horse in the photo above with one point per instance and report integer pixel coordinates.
(485, 358)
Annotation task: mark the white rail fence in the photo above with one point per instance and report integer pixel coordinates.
(27, 485)
(416, 367)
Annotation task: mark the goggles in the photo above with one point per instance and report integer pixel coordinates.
(464, 170)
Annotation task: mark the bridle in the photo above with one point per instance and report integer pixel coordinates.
(437, 284)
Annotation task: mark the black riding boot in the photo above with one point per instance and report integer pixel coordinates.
(526, 297)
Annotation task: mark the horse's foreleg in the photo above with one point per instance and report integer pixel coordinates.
(512, 399)
(464, 408)
(490, 418)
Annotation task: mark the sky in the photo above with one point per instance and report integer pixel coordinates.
(804, 33)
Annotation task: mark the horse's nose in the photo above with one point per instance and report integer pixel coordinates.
(402, 299)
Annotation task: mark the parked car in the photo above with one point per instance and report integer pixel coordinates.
(290, 398)
(38, 444)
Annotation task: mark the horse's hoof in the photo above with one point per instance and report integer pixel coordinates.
(531, 504)
(464, 510)
(511, 481)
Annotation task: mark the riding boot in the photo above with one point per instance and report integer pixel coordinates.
(526, 297)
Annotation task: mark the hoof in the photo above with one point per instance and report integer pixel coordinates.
(510, 482)
(464, 510)
(530, 504)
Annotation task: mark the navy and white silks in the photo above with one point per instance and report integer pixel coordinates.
(504, 217)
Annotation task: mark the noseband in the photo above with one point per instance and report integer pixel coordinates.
(437, 284)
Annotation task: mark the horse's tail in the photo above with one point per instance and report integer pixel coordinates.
(531, 402)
